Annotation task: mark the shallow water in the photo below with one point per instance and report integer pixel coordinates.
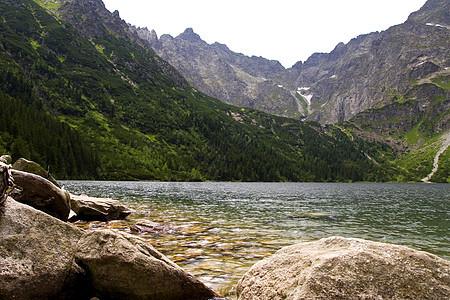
(217, 231)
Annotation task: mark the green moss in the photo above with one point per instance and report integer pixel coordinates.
(99, 48)
(442, 82)
(34, 44)
(48, 4)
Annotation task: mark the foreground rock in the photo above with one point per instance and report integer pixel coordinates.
(44, 258)
(341, 268)
(41, 194)
(97, 209)
(29, 166)
(5, 182)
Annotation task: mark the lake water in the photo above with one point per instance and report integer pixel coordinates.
(217, 231)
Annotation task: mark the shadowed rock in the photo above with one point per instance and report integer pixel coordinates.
(41, 194)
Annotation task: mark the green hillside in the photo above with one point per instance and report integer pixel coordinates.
(100, 105)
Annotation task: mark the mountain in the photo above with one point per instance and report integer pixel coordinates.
(82, 92)
(231, 77)
(372, 70)
(389, 87)
(368, 72)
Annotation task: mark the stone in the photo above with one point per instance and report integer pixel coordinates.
(42, 257)
(29, 166)
(97, 209)
(6, 159)
(124, 266)
(5, 182)
(344, 268)
(37, 255)
(41, 194)
(152, 228)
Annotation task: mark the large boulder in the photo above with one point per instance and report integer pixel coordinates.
(42, 257)
(41, 194)
(342, 268)
(97, 209)
(37, 255)
(29, 166)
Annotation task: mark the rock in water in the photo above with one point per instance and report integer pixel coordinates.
(42, 257)
(126, 267)
(97, 209)
(342, 268)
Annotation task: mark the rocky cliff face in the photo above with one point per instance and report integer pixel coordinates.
(368, 72)
(371, 70)
(231, 77)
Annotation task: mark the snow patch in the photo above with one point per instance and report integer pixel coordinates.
(437, 25)
(333, 77)
(280, 85)
(306, 97)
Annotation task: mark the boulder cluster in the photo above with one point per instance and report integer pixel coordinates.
(44, 256)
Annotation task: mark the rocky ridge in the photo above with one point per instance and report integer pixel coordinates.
(368, 72)
(228, 76)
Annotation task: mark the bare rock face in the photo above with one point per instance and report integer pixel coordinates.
(42, 257)
(342, 268)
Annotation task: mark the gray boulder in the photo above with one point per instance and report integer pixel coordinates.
(97, 209)
(42, 257)
(41, 194)
(342, 268)
(29, 166)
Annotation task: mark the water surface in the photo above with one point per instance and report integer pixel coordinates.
(216, 231)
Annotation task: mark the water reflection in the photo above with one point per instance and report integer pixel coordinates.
(218, 230)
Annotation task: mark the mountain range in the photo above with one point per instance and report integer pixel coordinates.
(116, 102)
(331, 87)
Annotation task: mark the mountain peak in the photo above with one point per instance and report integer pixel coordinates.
(190, 35)
(436, 11)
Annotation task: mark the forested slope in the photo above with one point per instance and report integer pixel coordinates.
(94, 93)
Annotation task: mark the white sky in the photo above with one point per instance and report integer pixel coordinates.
(284, 30)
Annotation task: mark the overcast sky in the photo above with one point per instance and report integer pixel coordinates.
(284, 30)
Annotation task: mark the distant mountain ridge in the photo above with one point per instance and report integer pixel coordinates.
(330, 87)
(228, 76)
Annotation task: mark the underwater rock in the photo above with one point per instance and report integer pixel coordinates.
(152, 228)
(343, 268)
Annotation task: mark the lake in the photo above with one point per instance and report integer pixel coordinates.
(217, 231)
